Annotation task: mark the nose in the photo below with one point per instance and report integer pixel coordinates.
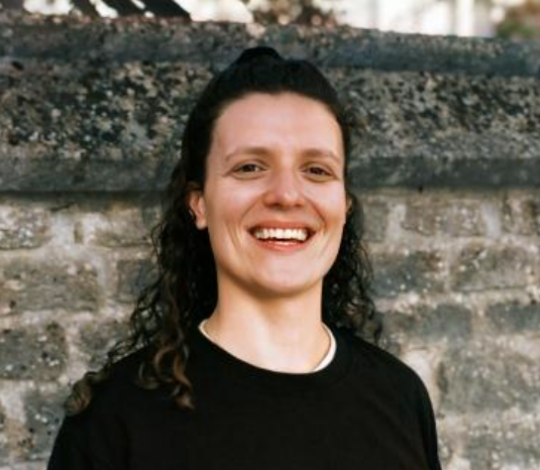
(284, 190)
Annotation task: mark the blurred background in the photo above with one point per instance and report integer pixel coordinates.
(515, 19)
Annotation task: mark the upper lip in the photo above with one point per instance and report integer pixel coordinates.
(282, 225)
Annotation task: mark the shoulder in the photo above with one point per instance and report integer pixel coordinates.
(382, 366)
(118, 392)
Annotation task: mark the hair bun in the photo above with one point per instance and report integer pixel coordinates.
(256, 53)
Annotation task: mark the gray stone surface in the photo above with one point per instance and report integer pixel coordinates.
(98, 338)
(116, 228)
(376, 218)
(113, 125)
(444, 322)
(521, 215)
(396, 273)
(133, 275)
(37, 353)
(498, 444)
(513, 317)
(478, 267)
(430, 217)
(28, 228)
(32, 285)
(69, 40)
(44, 414)
(487, 377)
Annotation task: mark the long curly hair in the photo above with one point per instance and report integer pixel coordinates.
(185, 289)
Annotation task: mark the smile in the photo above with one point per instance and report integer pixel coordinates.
(280, 234)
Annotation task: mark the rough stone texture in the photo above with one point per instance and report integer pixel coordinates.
(23, 229)
(116, 228)
(376, 218)
(396, 273)
(4, 447)
(132, 276)
(521, 216)
(37, 353)
(479, 267)
(44, 413)
(453, 218)
(446, 160)
(445, 322)
(513, 317)
(418, 124)
(98, 338)
(504, 444)
(487, 377)
(32, 285)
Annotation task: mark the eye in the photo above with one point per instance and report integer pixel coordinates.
(246, 168)
(319, 171)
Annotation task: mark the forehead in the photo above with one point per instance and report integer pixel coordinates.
(277, 119)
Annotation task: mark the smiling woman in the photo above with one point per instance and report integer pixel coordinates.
(250, 349)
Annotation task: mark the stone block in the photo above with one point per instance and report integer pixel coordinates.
(116, 228)
(479, 268)
(133, 275)
(521, 215)
(37, 352)
(375, 219)
(488, 378)
(396, 273)
(27, 285)
(512, 317)
(432, 215)
(443, 322)
(97, 338)
(23, 227)
(44, 414)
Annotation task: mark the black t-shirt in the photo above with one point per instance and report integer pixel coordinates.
(365, 410)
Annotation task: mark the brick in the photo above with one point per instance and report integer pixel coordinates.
(133, 275)
(37, 353)
(51, 284)
(479, 268)
(44, 414)
(23, 227)
(521, 215)
(488, 378)
(396, 273)
(444, 322)
(116, 228)
(511, 317)
(97, 338)
(432, 216)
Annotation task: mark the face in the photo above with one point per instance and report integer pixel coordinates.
(274, 199)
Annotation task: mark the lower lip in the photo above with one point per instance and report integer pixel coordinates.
(282, 246)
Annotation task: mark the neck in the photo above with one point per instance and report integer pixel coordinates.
(284, 334)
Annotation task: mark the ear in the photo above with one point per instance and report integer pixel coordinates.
(349, 204)
(197, 207)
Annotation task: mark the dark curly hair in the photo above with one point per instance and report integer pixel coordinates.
(185, 289)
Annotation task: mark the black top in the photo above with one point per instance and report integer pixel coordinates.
(365, 410)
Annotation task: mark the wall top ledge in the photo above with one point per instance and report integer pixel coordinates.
(24, 36)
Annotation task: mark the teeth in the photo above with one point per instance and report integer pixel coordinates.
(281, 234)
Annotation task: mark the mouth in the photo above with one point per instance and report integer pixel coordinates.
(282, 237)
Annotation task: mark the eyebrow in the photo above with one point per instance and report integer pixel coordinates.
(264, 151)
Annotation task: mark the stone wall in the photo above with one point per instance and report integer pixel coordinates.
(446, 161)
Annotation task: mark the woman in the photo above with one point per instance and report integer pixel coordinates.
(245, 353)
